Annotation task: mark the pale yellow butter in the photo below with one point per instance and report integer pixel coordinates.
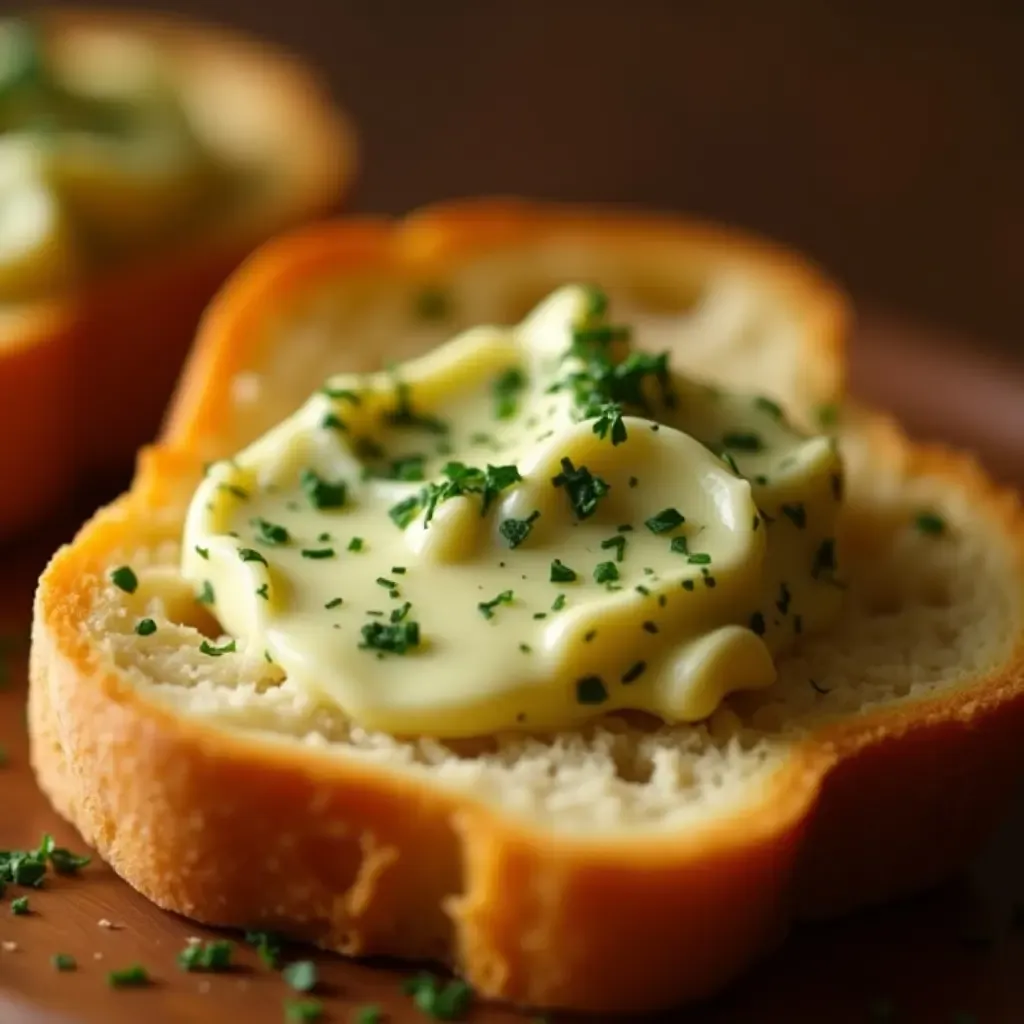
(689, 576)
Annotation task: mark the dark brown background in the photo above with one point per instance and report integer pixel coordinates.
(886, 139)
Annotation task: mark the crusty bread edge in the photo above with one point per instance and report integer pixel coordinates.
(238, 830)
(431, 241)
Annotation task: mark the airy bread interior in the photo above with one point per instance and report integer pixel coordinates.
(926, 612)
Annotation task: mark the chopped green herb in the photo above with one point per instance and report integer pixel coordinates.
(605, 572)
(270, 533)
(583, 489)
(303, 1011)
(317, 553)
(608, 421)
(393, 638)
(263, 590)
(486, 608)
(650, 627)
(342, 394)
(64, 861)
(525, 648)
(145, 627)
(687, 584)
(382, 581)
(301, 975)
(591, 690)
(818, 689)
(321, 493)
(399, 614)
(410, 468)
(215, 652)
(634, 672)
(618, 543)
(767, 405)
(369, 1014)
(124, 578)
(633, 481)
(355, 544)
(19, 906)
(506, 389)
(727, 458)
(268, 946)
(203, 552)
(63, 962)
(332, 421)
(699, 558)
(235, 491)
(559, 603)
(404, 512)
(743, 441)
(680, 546)
(784, 598)
(796, 514)
(135, 976)
(206, 595)
(515, 531)
(665, 521)
(251, 555)
(206, 956)
(403, 414)
(930, 523)
(561, 573)
(757, 624)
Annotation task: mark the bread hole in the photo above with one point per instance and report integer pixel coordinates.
(632, 767)
(936, 593)
(883, 600)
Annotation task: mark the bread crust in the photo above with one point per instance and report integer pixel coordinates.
(78, 367)
(236, 829)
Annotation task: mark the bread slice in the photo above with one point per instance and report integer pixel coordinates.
(81, 353)
(624, 867)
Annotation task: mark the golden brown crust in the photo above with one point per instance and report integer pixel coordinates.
(132, 327)
(371, 861)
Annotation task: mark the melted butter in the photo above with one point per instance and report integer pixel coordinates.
(706, 551)
(97, 158)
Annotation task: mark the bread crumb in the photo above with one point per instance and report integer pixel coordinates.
(9, 947)
(104, 923)
(204, 987)
(194, 940)
(97, 956)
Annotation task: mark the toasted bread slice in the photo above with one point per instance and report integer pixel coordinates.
(623, 867)
(89, 368)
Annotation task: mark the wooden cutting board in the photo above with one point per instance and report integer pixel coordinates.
(949, 956)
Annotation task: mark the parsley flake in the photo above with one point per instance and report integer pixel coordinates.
(135, 976)
(391, 638)
(665, 521)
(930, 523)
(215, 652)
(317, 553)
(321, 493)
(486, 608)
(63, 962)
(270, 533)
(251, 555)
(303, 1011)
(206, 595)
(583, 489)
(506, 389)
(206, 956)
(515, 531)
(605, 572)
(124, 578)
(561, 573)
(591, 690)
(618, 543)
(743, 441)
(796, 514)
(145, 627)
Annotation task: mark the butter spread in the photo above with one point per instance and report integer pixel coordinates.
(97, 156)
(524, 528)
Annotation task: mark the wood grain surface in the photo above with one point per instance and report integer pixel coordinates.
(948, 956)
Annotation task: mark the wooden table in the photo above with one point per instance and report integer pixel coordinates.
(948, 956)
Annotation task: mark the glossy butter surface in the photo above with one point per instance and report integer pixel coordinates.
(469, 544)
